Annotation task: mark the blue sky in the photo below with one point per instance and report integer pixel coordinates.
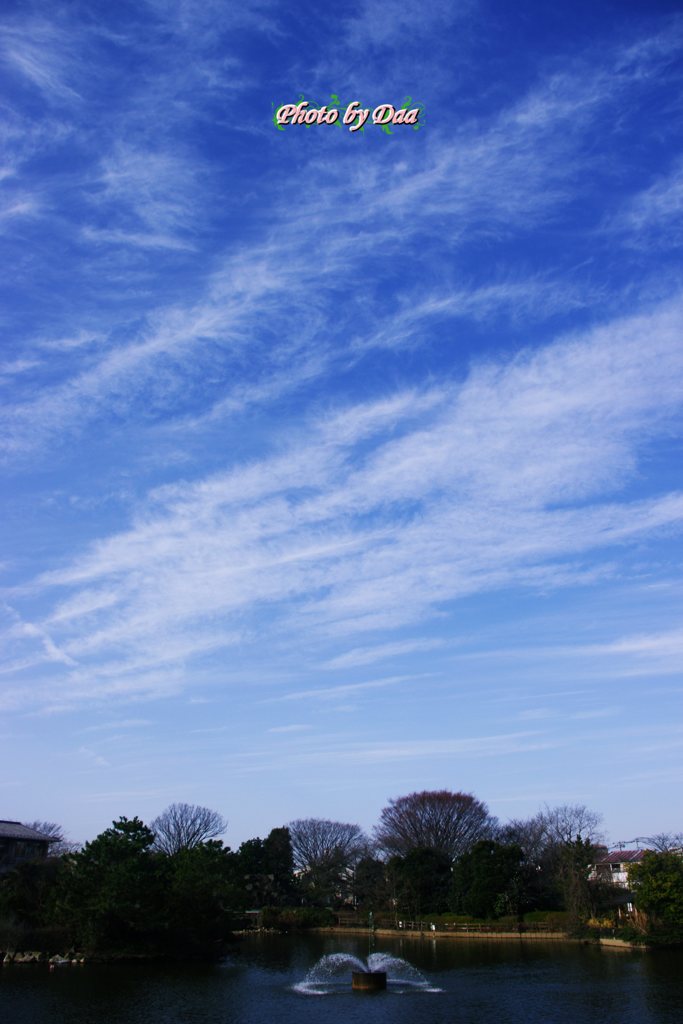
(339, 465)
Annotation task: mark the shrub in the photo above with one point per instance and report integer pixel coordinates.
(296, 918)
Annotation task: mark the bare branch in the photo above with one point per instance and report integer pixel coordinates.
(325, 854)
(60, 844)
(317, 843)
(565, 823)
(665, 841)
(182, 826)
(450, 823)
(46, 828)
(529, 834)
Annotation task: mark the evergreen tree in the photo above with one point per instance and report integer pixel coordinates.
(489, 880)
(421, 882)
(113, 891)
(658, 888)
(266, 870)
(203, 892)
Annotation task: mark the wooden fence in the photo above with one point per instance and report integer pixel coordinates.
(473, 928)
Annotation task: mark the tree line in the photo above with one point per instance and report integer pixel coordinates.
(174, 886)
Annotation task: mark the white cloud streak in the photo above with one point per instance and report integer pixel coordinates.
(270, 301)
(510, 478)
(654, 217)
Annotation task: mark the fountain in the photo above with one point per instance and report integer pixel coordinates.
(368, 981)
(379, 972)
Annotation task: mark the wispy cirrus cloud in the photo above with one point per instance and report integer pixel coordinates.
(350, 452)
(44, 53)
(510, 478)
(18, 207)
(289, 728)
(381, 652)
(346, 753)
(151, 190)
(634, 654)
(654, 217)
(274, 297)
(379, 23)
(340, 691)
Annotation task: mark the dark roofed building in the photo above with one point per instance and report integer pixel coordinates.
(19, 843)
(613, 867)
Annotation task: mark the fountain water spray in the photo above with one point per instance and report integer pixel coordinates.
(380, 971)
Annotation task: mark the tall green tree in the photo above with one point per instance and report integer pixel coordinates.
(203, 890)
(266, 870)
(113, 891)
(29, 893)
(559, 843)
(489, 881)
(421, 882)
(658, 891)
(573, 863)
(370, 884)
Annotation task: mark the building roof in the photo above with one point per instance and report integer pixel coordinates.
(622, 857)
(15, 830)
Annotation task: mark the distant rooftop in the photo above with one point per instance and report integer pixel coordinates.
(15, 830)
(622, 857)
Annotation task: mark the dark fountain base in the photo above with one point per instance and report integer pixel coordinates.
(368, 981)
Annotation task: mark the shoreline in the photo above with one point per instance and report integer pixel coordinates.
(492, 936)
(23, 957)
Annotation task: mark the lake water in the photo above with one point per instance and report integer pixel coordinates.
(466, 983)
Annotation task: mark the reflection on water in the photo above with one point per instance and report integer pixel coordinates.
(478, 982)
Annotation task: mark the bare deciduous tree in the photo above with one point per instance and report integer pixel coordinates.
(550, 829)
(59, 844)
(440, 820)
(316, 842)
(46, 828)
(527, 833)
(664, 842)
(182, 826)
(559, 845)
(564, 823)
(325, 854)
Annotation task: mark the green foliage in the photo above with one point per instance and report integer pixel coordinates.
(297, 918)
(556, 868)
(629, 933)
(658, 888)
(121, 894)
(489, 880)
(421, 882)
(573, 861)
(28, 893)
(114, 889)
(370, 885)
(265, 869)
(557, 919)
(450, 918)
(201, 890)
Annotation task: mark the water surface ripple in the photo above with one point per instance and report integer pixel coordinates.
(434, 982)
